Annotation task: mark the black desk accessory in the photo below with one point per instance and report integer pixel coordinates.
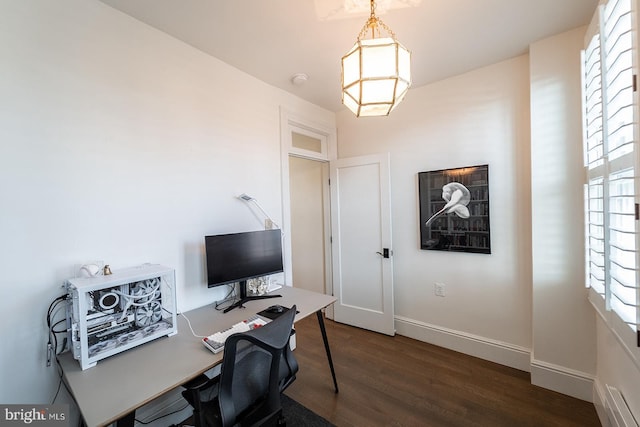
(274, 311)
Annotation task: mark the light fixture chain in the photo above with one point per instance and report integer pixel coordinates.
(387, 29)
(375, 27)
(374, 23)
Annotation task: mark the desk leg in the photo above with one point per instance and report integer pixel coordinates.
(127, 421)
(326, 347)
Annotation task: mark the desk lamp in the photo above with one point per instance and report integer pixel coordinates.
(269, 222)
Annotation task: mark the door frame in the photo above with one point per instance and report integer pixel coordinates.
(289, 122)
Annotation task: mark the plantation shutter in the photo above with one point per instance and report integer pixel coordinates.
(610, 146)
(594, 159)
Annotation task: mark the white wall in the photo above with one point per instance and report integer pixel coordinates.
(563, 319)
(121, 144)
(476, 118)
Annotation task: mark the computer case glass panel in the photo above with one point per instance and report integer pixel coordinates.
(109, 314)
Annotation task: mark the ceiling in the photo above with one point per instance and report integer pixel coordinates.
(273, 40)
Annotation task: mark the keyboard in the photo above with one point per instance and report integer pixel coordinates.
(215, 342)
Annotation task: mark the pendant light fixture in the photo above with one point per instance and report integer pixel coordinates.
(376, 72)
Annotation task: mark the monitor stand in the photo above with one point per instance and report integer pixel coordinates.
(244, 298)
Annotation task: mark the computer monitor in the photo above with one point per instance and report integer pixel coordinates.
(237, 257)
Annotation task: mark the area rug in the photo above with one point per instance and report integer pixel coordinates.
(297, 415)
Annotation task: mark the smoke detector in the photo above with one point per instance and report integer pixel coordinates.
(299, 79)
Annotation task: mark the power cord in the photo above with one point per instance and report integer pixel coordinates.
(52, 343)
(162, 416)
(53, 348)
(190, 327)
(229, 299)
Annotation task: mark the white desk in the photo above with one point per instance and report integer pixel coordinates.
(112, 390)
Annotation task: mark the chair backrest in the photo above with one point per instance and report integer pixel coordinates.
(256, 366)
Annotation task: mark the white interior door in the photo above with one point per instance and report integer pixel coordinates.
(361, 249)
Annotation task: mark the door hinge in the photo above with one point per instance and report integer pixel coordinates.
(637, 211)
(635, 83)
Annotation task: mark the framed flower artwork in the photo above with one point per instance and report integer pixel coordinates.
(454, 209)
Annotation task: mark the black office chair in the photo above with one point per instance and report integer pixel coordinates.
(256, 367)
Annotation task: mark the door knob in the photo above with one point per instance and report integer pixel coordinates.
(384, 253)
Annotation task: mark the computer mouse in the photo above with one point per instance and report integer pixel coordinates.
(276, 309)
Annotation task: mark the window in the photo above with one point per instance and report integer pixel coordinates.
(610, 156)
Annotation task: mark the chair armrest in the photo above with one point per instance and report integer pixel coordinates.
(200, 382)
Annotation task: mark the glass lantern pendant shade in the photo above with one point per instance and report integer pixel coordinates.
(376, 72)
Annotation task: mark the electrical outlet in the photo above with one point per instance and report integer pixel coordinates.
(438, 289)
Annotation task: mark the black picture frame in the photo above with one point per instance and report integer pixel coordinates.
(454, 210)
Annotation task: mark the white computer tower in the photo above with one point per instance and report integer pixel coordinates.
(109, 314)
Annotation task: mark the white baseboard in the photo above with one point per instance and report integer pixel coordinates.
(556, 378)
(563, 380)
(599, 401)
(473, 345)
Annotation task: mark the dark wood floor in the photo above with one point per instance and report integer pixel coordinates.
(398, 381)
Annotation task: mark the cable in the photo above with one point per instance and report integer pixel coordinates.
(52, 343)
(56, 324)
(55, 396)
(73, 398)
(217, 307)
(162, 416)
(63, 331)
(53, 304)
(228, 298)
(190, 327)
